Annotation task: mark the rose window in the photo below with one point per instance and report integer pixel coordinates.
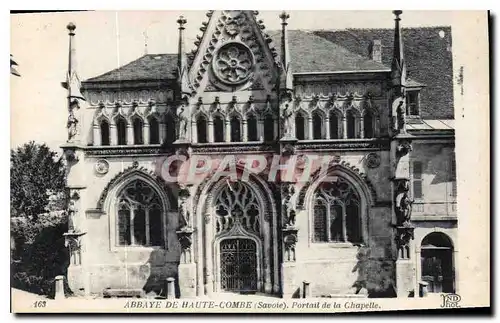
(233, 63)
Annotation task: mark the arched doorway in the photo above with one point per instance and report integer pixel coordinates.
(437, 265)
(238, 239)
(238, 265)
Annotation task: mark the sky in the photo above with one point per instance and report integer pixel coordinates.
(108, 39)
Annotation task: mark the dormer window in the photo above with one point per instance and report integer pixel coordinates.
(413, 103)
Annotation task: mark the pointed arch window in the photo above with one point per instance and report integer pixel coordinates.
(140, 216)
(104, 133)
(351, 124)
(317, 126)
(138, 126)
(235, 129)
(368, 124)
(170, 128)
(300, 131)
(252, 128)
(121, 131)
(154, 131)
(268, 128)
(337, 213)
(201, 129)
(334, 125)
(218, 129)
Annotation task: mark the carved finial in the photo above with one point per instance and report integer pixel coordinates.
(397, 13)
(284, 17)
(181, 21)
(71, 27)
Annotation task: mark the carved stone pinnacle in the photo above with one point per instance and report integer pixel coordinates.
(284, 16)
(181, 21)
(71, 27)
(397, 13)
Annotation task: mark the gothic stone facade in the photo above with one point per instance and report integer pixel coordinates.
(383, 222)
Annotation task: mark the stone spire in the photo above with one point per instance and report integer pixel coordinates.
(398, 67)
(182, 61)
(72, 81)
(286, 79)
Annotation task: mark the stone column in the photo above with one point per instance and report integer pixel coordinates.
(245, 130)
(210, 130)
(209, 280)
(289, 242)
(130, 134)
(327, 130)
(194, 131)
(162, 133)
(361, 127)
(96, 133)
(227, 131)
(276, 124)
(113, 136)
(344, 127)
(310, 128)
(145, 133)
(260, 129)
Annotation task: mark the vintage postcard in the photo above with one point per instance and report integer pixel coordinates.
(237, 161)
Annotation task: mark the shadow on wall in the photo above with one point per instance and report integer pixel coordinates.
(375, 275)
(158, 270)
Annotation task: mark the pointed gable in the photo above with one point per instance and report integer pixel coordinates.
(233, 52)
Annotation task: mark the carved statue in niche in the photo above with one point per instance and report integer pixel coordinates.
(73, 212)
(183, 121)
(287, 205)
(399, 115)
(73, 124)
(403, 203)
(287, 120)
(404, 147)
(184, 216)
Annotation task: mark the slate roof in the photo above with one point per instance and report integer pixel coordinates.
(147, 67)
(428, 58)
(311, 53)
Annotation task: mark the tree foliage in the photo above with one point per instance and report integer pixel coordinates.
(35, 174)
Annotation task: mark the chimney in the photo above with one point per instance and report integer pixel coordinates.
(376, 50)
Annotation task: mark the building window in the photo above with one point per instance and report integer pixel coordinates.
(138, 126)
(317, 126)
(121, 131)
(337, 216)
(104, 133)
(140, 218)
(412, 103)
(170, 128)
(334, 125)
(235, 129)
(252, 128)
(417, 180)
(269, 128)
(368, 126)
(201, 129)
(300, 131)
(154, 131)
(218, 129)
(453, 171)
(351, 124)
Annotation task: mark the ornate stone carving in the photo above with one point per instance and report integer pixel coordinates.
(73, 242)
(233, 63)
(184, 213)
(110, 97)
(403, 148)
(402, 202)
(287, 206)
(74, 121)
(234, 20)
(290, 239)
(186, 241)
(372, 160)
(287, 116)
(182, 121)
(101, 167)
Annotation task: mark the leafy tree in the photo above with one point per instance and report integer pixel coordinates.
(35, 174)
